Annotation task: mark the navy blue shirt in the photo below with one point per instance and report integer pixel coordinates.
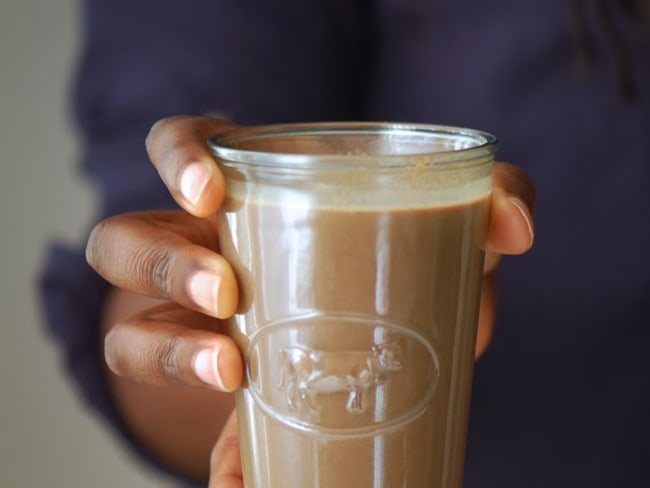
(562, 397)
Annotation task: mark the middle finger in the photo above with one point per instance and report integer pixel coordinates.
(165, 254)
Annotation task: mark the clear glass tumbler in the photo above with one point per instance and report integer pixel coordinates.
(359, 249)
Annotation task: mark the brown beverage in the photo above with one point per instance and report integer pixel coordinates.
(358, 252)
(369, 321)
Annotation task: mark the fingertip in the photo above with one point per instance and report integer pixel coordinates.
(230, 367)
(524, 212)
(201, 186)
(205, 366)
(228, 293)
(511, 227)
(176, 147)
(219, 367)
(203, 287)
(194, 179)
(213, 288)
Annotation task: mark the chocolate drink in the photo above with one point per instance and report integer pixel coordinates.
(358, 329)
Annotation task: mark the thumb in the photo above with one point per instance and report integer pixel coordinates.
(225, 462)
(511, 224)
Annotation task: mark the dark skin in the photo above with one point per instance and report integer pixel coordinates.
(170, 365)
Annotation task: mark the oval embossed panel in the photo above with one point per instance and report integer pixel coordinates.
(341, 375)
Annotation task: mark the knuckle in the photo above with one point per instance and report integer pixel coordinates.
(160, 126)
(166, 357)
(162, 137)
(154, 266)
(132, 251)
(157, 362)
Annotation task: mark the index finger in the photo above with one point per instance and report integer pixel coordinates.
(176, 146)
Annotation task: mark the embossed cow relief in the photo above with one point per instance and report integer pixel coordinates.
(341, 375)
(307, 374)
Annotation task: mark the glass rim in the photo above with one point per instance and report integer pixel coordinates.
(222, 145)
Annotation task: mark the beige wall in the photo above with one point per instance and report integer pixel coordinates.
(47, 439)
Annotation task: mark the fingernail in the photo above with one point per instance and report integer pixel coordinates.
(194, 180)
(206, 367)
(524, 213)
(203, 289)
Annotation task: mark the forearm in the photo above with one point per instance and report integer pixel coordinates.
(178, 425)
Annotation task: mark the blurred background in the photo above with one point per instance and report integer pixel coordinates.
(47, 437)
